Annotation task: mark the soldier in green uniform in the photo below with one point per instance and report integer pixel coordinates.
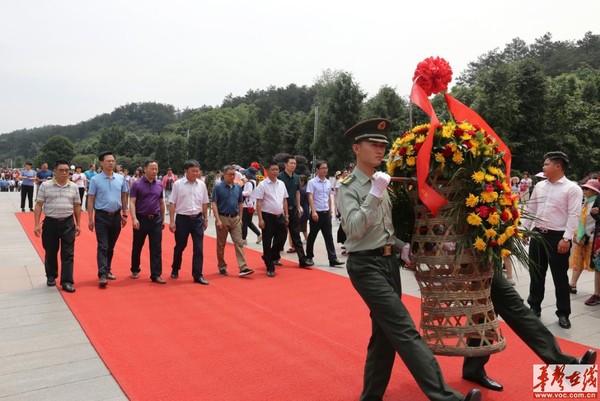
(366, 217)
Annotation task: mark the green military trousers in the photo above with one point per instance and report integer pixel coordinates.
(377, 280)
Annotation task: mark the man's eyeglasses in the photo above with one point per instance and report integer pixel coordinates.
(63, 170)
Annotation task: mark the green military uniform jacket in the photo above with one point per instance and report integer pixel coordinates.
(366, 219)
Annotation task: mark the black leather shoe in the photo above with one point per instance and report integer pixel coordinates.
(174, 274)
(307, 262)
(200, 280)
(110, 276)
(473, 395)
(68, 287)
(102, 281)
(589, 358)
(335, 262)
(159, 280)
(51, 282)
(223, 272)
(485, 381)
(564, 322)
(270, 273)
(538, 313)
(277, 262)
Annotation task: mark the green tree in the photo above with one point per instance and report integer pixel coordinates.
(56, 148)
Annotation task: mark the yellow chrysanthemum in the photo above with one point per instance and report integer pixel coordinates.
(494, 219)
(448, 131)
(420, 128)
(453, 147)
(490, 233)
(510, 230)
(504, 201)
(478, 176)
(439, 158)
(494, 170)
(489, 197)
(410, 161)
(465, 126)
(505, 253)
(420, 138)
(473, 219)
(479, 244)
(458, 158)
(472, 200)
(490, 178)
(502, 238)
(465, 137)
(410, 150)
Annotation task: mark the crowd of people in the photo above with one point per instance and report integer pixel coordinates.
(564, 214)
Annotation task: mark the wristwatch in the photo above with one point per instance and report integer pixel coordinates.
(566, 239)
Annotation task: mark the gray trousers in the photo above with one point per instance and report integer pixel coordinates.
(377, 280)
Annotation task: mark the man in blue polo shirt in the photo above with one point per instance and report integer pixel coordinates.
(89, 174)
(42, 175)
(107, 197)
(227, 207)
(147, 208)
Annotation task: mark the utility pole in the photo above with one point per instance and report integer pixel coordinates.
(314, 161)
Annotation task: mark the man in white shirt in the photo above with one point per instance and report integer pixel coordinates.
(272, 209)
(555, 205)
(320, 199)
(188, 205)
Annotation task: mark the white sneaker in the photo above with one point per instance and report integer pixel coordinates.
(259, 239)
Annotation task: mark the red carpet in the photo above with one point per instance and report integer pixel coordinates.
(300, 336)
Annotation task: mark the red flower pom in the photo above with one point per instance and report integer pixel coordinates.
(418, 146)
(433, 75)
(505, 216)
(483, 211)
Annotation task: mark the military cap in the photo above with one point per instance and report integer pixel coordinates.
(373, 130)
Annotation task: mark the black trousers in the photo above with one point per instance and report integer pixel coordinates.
(108, 229)
(323, 225)
(26, 192)
(377, 280)
(559, 266)
(184, 228)
(59, 234)
(81, 193)
(509, 305)
(294, 229)
(247, 223)
(153, 229)
(274, 235)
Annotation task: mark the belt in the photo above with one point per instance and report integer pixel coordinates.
(191, 216)
(385, 250)
(61, 220)
(229, 215)
(100, 211)
(274, 215)
(546, 231)
(322, 211)
(147, 216)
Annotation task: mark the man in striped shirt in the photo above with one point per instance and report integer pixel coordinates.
(60, 201)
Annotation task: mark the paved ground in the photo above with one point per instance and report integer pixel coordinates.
(45, 355)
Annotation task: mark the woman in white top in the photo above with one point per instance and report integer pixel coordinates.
(249, 205)
(79, 179)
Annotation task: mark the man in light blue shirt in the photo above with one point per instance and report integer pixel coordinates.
(107, 197)
(321, 205)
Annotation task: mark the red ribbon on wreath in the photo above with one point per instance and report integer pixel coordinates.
(431, 77)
